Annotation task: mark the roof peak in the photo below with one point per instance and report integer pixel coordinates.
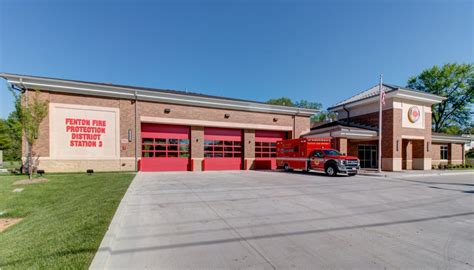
(374, 91)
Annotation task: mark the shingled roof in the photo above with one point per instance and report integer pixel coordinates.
(374, 91)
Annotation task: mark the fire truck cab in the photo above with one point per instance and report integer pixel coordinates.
(314, 154)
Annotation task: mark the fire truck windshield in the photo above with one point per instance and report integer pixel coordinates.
(332, 153)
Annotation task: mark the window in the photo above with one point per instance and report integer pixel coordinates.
(222, 149)
(332, 153)
(443, 152)
(162, 148)
(265, 149)
(318, 154)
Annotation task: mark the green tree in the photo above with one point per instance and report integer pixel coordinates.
(308, 104)
(10, 135)
(324, 116)
(5, 140)
(284, 101)
(455, 82)
(31, 111)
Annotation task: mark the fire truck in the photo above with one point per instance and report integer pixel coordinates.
(314, 154)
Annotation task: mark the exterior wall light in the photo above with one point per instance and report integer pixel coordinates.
(226, 115)
(167, 110)
(427, 146)
(397, 145)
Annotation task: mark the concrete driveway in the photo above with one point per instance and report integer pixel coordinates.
(277, 220)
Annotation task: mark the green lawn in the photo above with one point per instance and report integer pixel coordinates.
(64, 219)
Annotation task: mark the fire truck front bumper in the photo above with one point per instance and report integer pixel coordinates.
(344, 167)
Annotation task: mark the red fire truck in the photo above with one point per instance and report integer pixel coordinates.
(314, 154)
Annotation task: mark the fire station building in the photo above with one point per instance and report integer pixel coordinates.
(407, 140)
(107, 127)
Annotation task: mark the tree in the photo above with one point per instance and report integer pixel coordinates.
(284, 101)
(10, 135)
(324, 116)
(308, 104)
(31, 112)
(455, 82)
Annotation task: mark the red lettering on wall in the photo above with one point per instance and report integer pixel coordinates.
(85, 132)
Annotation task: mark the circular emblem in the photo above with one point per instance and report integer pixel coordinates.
(413, 114)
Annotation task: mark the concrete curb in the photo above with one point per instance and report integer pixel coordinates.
(416, 174)
(103, 253)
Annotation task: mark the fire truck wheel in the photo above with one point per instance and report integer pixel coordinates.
(331, 170)
(286, 168)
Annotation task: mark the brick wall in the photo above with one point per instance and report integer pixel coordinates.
(144, 108)
(455, 153)
(152, 109)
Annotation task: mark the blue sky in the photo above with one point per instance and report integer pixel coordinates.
(321, 51)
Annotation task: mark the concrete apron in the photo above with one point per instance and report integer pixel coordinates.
(414, 173)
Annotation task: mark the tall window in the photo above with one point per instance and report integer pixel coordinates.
(161, 147)
(265, 149)
(443, 152)
(220, 148)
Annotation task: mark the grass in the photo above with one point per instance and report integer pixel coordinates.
(64, 221)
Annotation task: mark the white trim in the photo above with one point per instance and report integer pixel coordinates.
(66, 86)
(412, 137)
(449, 139)
(205, 123)
(293, 159)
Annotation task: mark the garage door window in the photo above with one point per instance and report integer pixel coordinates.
(162, 147)
(265, 149)
(221, 148)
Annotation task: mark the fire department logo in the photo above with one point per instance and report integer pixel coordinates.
(413, 114)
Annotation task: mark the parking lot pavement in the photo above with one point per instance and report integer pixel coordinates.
(277, 220)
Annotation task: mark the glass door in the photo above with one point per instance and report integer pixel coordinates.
(367, 153)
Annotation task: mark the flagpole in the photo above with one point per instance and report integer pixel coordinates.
(380, 126)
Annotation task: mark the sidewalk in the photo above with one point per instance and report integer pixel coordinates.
(415, 173)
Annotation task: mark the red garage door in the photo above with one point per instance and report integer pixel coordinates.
(222, 149)
(265, 148)
(164, 148)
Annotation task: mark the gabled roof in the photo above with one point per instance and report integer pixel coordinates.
(373, 92)
(149, 94)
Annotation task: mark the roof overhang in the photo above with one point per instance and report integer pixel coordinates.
(450, 139)
(405, 94)
(132, 93)
(341, 131)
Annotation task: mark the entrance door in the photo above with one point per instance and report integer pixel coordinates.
(265, 148)
(367, 153)
(222, 149)
(164, 148)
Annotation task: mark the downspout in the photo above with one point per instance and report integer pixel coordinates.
(348, 114)
(136, 137)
